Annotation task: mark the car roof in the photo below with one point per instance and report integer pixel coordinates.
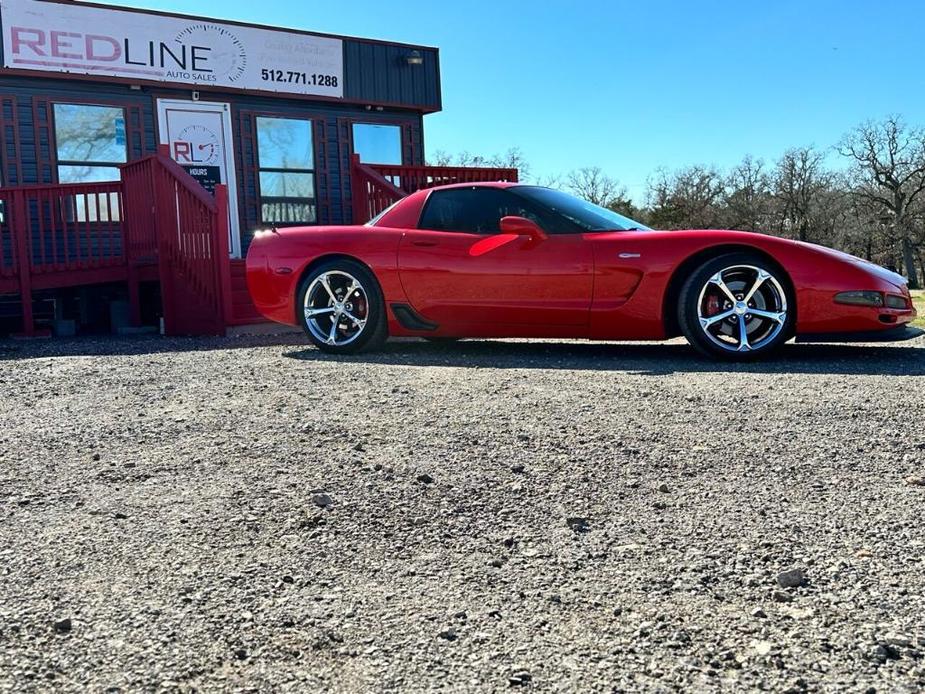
(484, 184)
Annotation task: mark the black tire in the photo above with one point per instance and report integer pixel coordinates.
(703, 300)
(373, 332)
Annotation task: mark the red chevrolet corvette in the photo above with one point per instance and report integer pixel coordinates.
(509, 260)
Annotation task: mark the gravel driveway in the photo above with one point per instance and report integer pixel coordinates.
(250, 513)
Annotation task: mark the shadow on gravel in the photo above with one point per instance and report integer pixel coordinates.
(907, 359)
(106, 345)
(649, 359)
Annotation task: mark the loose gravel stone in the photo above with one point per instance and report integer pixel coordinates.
(323, 500)
(448, 635)
(791, 578)
(578, 524)
(227, 575)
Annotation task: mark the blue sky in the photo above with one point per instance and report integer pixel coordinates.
(634, 86)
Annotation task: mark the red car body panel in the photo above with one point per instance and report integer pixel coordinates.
(602, 285)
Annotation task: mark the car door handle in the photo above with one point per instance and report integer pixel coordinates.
(424, 244)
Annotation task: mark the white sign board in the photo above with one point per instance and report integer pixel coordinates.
(70, 38)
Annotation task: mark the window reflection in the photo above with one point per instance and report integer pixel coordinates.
(90, 142)
(286, 162)
(285, 143)
(377, 144)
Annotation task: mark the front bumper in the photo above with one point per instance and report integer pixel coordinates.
(897, 334)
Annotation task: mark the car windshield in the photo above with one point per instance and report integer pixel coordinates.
(586, 215)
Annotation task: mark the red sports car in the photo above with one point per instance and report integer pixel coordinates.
(510, 260)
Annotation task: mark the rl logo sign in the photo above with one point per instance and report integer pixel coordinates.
(196, 144)
(187, 153)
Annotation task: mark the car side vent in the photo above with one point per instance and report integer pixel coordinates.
(411, 320)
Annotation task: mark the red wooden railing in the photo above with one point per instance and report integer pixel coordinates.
(414, 178)
(191, 232)
(371, 192)
(70, 226)
(376, 186)
(50, 232)
(86, 233)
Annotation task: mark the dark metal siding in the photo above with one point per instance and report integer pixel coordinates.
(379, 73)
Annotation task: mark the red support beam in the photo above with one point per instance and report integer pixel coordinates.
(222, 259)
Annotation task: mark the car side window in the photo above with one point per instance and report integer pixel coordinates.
(476, 210)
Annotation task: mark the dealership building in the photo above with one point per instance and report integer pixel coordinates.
(290, 127)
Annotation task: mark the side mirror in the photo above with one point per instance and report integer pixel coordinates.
(521, 226)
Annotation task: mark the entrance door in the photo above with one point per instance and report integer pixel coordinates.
(198, 134)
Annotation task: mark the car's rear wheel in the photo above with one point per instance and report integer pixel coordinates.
(341, 308)
(736, 307)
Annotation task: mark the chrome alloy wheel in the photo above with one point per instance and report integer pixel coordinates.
(742, 308)
(336, 308)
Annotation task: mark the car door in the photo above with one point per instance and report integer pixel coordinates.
(457, 268)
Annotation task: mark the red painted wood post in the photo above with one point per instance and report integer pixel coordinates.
(20, 228)
(223, 259)
(358, 191)
(128, 254)
(163, 199)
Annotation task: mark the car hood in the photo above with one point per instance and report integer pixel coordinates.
(876, 270)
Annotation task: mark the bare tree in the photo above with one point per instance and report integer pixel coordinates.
(690, 198)
(592, 184)
(441, 158)
(888, 163)
(513, 158)
(800, 183)
(748, 196)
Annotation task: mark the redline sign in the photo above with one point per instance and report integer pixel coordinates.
(69, 38)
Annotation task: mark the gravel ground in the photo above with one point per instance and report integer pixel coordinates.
(250, 513)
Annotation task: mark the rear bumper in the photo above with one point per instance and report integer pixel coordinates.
(897, 334)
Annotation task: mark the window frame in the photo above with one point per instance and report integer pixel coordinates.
(258, 169)
(529, 205)
(53, 133)
(401, 126)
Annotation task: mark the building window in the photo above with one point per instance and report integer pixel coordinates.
(90, 145)
(90, 142)
(377, 144)
(287, 171)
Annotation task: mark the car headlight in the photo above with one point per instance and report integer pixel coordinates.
(894, 301)
(860, 298)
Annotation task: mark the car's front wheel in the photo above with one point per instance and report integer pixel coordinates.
(736, 307)
(341, 308)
